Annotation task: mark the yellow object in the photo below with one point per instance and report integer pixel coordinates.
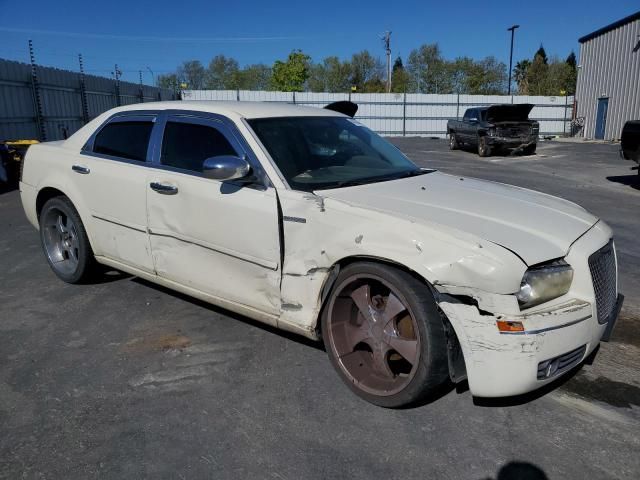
(17, 148)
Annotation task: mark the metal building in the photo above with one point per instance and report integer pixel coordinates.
(608, 90)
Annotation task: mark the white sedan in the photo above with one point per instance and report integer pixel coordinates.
(305, 219)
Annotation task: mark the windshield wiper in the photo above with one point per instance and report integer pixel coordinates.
(381, 178)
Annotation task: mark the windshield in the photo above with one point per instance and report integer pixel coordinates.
(315, 153)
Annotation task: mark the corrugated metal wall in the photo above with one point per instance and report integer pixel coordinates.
(610, 68)
(411, 114)
(61, 100)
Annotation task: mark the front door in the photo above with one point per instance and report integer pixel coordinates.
(601, 118)
(219, 238)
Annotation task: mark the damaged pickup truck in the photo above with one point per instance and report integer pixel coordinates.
(498, 127)
(305, 219)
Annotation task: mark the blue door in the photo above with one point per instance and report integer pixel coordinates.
(601, 117)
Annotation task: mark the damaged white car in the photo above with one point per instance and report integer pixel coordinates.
(306, 220)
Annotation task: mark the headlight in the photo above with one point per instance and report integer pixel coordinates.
(545, 282)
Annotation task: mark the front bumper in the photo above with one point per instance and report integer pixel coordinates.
(512, 142)
(555, 339)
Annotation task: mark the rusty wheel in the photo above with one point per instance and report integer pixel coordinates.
(378, 337)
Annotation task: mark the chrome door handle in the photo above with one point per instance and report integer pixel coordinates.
(80, 169)
(164, 188)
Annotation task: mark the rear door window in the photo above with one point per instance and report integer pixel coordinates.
(187, 145)
(124, 139)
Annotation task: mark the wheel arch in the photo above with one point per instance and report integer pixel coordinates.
(48, 192)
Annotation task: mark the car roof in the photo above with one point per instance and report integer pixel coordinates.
(240, 109)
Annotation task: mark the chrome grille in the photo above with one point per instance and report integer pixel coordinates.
(602, 265)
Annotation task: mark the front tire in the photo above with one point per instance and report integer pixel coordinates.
(65, 241)
(484, 150)
(384, 335)
(453, 141)
(530, 150)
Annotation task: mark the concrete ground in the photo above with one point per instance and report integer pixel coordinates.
(123, 379)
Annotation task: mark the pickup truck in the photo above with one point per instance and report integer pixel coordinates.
(495, 127)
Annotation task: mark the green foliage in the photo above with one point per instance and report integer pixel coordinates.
(193, 73)
(331, 75)
(366, 72)
(542, 76)
(400, 78)
(223, 73)
(255, 77)
(520, 73)
(290, 76)
(169, 80)
(426, 71)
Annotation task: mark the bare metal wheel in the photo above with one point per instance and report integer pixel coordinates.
(65, 241)
(381, 336)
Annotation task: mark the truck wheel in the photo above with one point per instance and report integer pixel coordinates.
(530, 150)
(453, 141)
(65, 242)
(384, 335)
(484, 150)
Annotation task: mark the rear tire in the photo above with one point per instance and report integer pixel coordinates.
(384, 335)
(65, 242)
(484, 150)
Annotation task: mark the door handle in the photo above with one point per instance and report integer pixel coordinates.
(164, 188)
(80, 169)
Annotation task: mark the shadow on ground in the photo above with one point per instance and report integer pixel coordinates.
(520, 471)
(629, 180)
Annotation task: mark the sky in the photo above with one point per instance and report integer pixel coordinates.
(155, 36)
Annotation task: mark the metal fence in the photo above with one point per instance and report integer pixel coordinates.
(412, 113)
(48, 103)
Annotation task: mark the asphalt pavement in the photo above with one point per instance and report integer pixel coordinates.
(124, 379)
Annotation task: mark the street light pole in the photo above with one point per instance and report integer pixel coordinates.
(512, 29)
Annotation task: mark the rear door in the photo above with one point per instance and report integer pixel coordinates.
(220, 238)
(110, 173)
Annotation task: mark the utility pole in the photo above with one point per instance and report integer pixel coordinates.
(116, 74)
(512, 29)
(83, 92)
(37, 99)
(387, 46)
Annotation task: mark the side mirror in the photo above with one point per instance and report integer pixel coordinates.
(225, 167)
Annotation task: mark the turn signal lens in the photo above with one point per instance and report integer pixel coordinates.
(506, 326)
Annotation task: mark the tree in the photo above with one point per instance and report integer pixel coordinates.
(332, 75)
(429, 72)
(399, 77)
(537, 75)
(366, 72)
(572, 78)
(255, 77)
(193, 74)
(543, 55)
(223, 73)
(169, 80)
(520, 75)
(290, 76)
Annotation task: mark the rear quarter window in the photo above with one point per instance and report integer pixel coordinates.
(128, 140)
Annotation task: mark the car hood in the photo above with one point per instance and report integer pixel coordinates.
(518, 112)
(535, 226)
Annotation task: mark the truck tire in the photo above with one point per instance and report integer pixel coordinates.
(384, 335)
(530, 150)
(484, 150)
(453, 141)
